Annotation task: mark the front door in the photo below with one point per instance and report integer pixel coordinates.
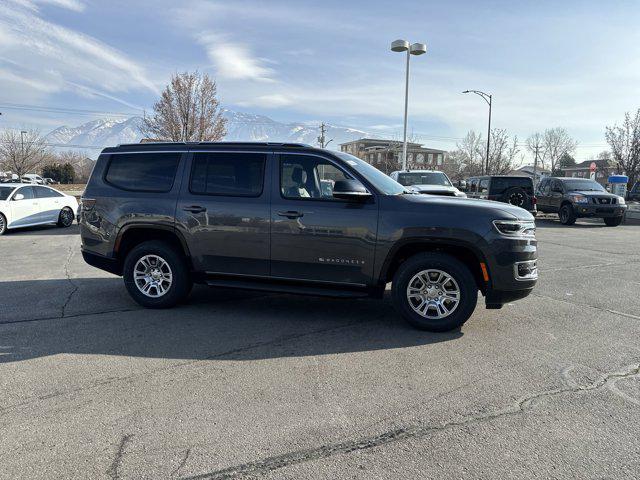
(223, 212)
(315, 236)
(555, 196)
(25, 211)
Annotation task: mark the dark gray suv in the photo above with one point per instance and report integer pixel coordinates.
(292, 218)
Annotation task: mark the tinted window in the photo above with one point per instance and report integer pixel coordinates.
(483, 186)
(423, 178)
(143, 172)
(42, 192)
(27, 192)
(590, 185)
(308, 177)
(5, 192)
(501, 184)
(231, 174)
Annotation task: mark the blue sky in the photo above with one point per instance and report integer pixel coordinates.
(571, 64)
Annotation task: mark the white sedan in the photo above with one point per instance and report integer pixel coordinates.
(27, 205)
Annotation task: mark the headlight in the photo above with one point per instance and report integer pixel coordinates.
(621, 201)
(515, 228)
(580, 199)
(460, 194)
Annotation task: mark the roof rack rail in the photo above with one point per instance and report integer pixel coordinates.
(259, 144)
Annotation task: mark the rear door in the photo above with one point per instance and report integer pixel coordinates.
(223, 212)
(49, 203)
(315, 236)
(555, 195)
(26, 211)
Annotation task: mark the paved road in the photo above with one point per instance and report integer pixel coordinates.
(239, 384)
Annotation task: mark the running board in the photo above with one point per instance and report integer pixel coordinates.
(287, 288)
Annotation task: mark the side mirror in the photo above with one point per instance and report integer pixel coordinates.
(18, 196)
(350, 190)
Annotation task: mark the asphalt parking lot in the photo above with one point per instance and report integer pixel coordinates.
(238, 384)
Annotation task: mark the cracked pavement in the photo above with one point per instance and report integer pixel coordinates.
(251, 385)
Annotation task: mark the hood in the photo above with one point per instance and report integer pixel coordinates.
(591, 193)
(498, 209)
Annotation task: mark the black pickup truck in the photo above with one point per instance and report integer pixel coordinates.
(292, 218)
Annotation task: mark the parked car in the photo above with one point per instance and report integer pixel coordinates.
(431, 182)
(50, 181)
(634, 193)
(516, 191)
(28, 205)
(573, 198)
(33, 178)
(254, 216)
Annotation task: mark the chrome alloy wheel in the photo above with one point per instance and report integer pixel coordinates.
(66, 217)
(433, 294)
(153, 276)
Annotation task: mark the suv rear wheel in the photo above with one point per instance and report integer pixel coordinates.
(434, 291)
(156, 275)
(567, 217)
(515, 196)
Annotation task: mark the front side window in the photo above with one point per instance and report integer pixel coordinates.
(308, 177)
(27, 192)
(384, 183)
(230, 174)
(143, 172)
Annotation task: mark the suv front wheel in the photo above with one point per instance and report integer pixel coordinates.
(156, 275)
(434, 291)
(566, 214)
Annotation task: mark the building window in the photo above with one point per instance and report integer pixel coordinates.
(410, 157)
(439, 159)
(430, 158)
(420, 158)
(379, 157)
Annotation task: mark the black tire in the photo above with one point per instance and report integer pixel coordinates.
(516, 196)
(452, 267)
(567, 215)
(612, 221)
(65, 218)
(3, 224)
(181, 282)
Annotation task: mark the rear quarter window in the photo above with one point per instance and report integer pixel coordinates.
(143, 172)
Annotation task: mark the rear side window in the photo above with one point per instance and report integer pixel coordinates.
(499, 185)
(229, 174)
(483, 186)
(143, 172)
(44, 192)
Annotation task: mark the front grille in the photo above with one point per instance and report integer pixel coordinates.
(604, 200)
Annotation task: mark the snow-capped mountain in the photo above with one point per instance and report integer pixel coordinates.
(240, 127)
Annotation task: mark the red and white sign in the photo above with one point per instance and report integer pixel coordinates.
(592, 167)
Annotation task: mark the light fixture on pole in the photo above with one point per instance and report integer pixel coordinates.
(411, 49)
(487, 98)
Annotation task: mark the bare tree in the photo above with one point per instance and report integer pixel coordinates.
(535, 145)
(624, 141)
(469, 154)
(556, 144)
(188, 110)
(22, 152)
(503, 152)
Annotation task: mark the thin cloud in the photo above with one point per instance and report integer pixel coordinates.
(75, 5)
(233, 60)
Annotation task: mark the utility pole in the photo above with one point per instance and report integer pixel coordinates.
(535, 168)
(322, 139)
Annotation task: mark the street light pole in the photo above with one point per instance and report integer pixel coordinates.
(487, 98)
(414, 49)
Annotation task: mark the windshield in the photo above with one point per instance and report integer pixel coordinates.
(382, 182)
(5, 192)
(423, 178)
(588, 185)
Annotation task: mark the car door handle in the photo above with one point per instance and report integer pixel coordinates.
(194, 209)
(291, 214)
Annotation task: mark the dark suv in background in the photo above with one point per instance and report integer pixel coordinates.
(516, 191)
(292, 218)
(573, 198)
